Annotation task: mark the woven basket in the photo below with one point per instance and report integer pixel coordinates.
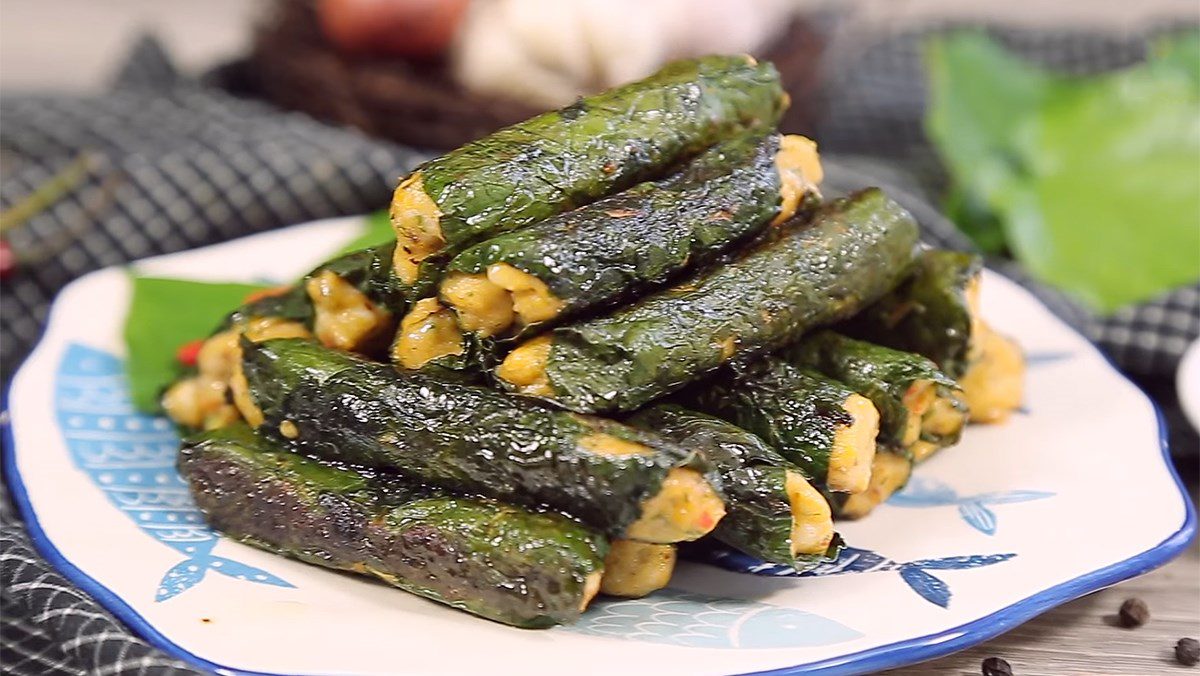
(418, 104)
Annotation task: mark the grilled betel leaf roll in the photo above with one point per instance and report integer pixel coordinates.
(854, 250)
(933, 312)
(474, 439)
(562, 159)
(772, 511)
(821, 426)
(494, 560)
(921, 409)
(350, 303)
(625, 243)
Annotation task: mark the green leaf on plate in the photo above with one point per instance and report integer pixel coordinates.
(1092, 183)
(163, 315)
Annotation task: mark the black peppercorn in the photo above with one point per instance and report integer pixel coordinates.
(994, 666)
(1187, 652)
(1133, 613)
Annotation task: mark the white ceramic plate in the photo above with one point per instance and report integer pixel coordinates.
(1015, 520)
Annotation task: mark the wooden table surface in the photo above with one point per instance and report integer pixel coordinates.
(73, 44)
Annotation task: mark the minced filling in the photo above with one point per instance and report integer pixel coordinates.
(889, 473)
(634, 569)
(854, 447)
(344, 317)
(800, 171)
(686, 507)
(429, 331)
(492, 303)
(607, 444)
(812, 519)
(482, 307)
(525, 367)
(994, 383)
(416, 220)
(218, 394)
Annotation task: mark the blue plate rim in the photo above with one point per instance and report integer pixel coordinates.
(891, 655)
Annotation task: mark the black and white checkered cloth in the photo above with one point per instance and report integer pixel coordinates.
(163, 163)
(159, 164)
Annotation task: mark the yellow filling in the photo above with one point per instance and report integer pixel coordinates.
(416, 219)
(345, 318)
(812, 520)
(532, 300)
(607, 444)
(993, 385)
(489, 304)
(854, 447)
(525, 367)
(922, 449)
(686, 507)
(218, 394)
(945, 417)
(800, 171)
(634, 569)
(728, 348)
(481, 306)
(288, 429)
(889, 473)
(427, 332)
(917, 400)
(591, 587)
(242, 398)
(266, 328)
(932, 414)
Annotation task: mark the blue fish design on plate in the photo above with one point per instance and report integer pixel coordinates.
(974, 509)
(131, 457)
(681, 618)
(914, 573)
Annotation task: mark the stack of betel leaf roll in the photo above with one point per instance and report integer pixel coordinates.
(766, 361)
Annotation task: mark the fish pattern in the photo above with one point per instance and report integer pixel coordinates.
(130, 456)
(852, 560)
(681, 618)
(923, 492)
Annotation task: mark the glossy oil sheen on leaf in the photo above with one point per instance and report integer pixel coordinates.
(1095, 182)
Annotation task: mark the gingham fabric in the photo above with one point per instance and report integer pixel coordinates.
(163, 164)
(160, 164)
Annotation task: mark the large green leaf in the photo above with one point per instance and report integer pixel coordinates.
(163, 315)
(1093, 183)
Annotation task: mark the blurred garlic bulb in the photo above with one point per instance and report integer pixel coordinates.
(547, 52)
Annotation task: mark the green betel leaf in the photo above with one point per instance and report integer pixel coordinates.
(164, 314)
(1094, 182)
(978, 96)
